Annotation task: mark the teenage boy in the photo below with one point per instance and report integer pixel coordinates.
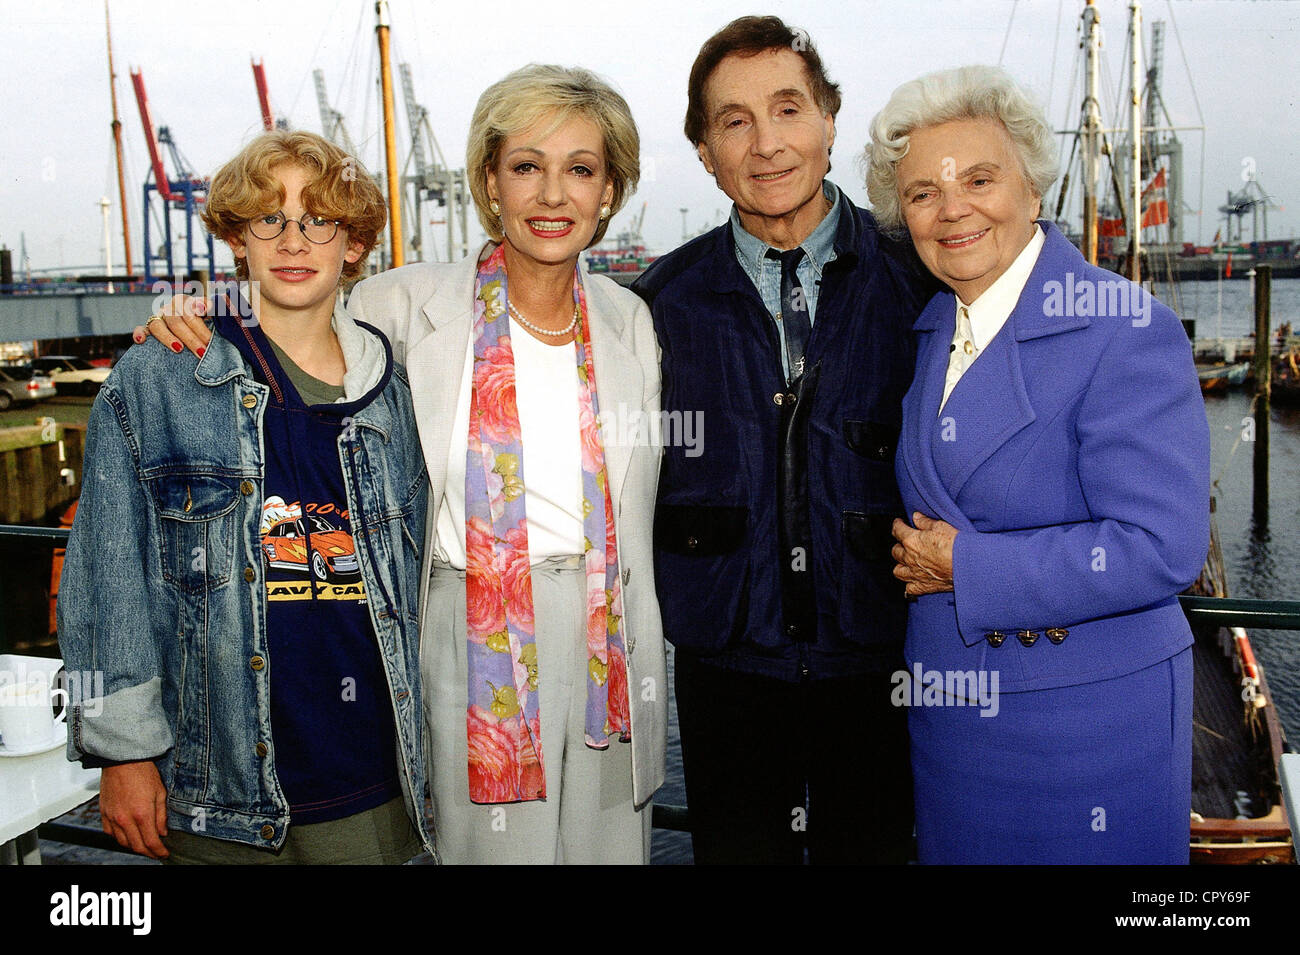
(244, 565)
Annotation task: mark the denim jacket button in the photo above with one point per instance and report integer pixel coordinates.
(249, 401)
(246, 487)
(261, 749)
(250, 574)
(257, 663)
(268, 832)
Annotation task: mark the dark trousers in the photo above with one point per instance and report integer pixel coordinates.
(773, 766)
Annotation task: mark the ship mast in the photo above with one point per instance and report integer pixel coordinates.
(1091, 132)
(117, 143)
(397, 257)
(1135, 156)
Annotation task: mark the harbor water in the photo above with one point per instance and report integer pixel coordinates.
(1226, 308)
(1262, 559)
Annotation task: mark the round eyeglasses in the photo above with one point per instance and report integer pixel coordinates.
(317, 229)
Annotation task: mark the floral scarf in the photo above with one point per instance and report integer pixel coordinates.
(504, 723)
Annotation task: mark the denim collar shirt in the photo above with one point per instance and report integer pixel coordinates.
(765, 273)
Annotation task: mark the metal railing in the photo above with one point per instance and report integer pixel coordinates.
(1242, 612)
(58, 535)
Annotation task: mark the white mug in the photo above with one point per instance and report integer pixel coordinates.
(26, 714)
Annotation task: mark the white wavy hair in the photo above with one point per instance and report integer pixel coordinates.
(968, 92)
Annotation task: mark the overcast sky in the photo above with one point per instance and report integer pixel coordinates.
(56, 155)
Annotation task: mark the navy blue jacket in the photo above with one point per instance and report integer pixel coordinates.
(772, 526)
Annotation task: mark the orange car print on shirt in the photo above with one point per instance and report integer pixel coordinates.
(315, 548)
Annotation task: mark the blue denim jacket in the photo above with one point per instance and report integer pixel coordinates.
(163, 588)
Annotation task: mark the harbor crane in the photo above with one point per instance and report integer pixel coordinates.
(331, 120)
(185, 192)
(264, 99)
(1162, 142)
(631, 236)
(1251, 199)
(432, 180)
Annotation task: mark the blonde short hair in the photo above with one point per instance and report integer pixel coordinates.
(340, 188)
(520, 100)
(969, 92)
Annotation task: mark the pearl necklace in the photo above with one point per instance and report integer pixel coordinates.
(545, 331)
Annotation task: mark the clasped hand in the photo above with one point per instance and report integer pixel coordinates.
(923, 555)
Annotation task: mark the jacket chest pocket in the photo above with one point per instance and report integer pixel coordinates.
(872, 440)
(198, 516)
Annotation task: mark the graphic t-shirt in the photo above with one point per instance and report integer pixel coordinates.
(333, 737)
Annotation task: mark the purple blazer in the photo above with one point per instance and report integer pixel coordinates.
(1073, 458)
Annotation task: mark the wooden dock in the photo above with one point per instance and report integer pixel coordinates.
(40, 470)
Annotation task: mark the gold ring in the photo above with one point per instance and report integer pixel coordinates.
(152, 319)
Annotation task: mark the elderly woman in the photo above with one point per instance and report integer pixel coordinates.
(542, 651)
(1055, 462)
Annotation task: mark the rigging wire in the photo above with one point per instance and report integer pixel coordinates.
(343, 99)
(1109, 84)
(329, 21)
(415, 34)
(344, 92)
(1012, 19)
(110, 190)
(1071, 113)
(1056, 48)
(366, 137)
(1200, 118)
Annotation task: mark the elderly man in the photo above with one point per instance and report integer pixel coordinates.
(789, 330)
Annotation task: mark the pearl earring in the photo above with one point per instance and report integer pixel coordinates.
(605, 211)
(495, 207)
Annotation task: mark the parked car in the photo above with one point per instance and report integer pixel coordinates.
(71, 375)
(17, 386)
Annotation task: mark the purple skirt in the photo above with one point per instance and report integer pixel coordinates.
(1098, 773)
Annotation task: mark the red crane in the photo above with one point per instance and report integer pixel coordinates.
(263, 98)
(186, 192)
(151, 138)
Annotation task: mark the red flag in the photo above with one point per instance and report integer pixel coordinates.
(1155, 207)
(1113, 227)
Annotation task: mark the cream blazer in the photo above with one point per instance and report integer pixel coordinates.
(426, 310)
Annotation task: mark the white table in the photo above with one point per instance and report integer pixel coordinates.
(35, 789)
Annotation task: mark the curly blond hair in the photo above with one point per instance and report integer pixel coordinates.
(340, 188)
